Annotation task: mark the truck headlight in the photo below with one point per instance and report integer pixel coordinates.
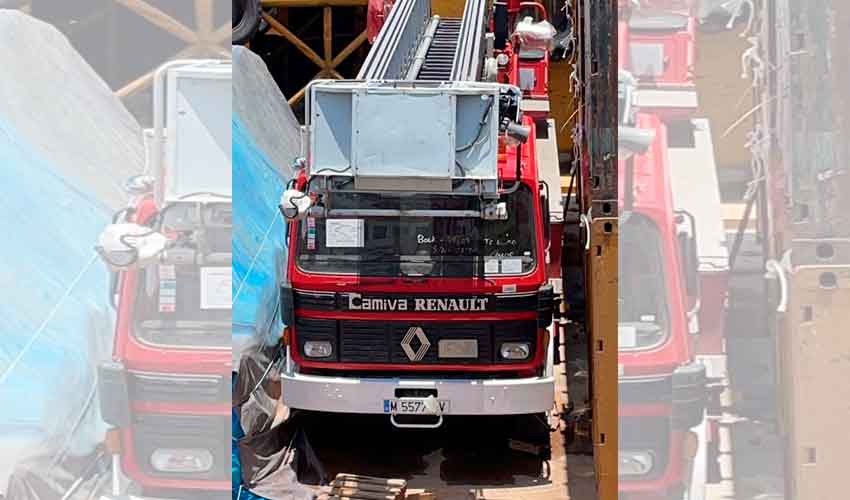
(635, 463)
(515, 350)
(181, 460)
(313, 349)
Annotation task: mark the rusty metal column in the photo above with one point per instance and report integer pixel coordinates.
(808, 196)
(597, 72)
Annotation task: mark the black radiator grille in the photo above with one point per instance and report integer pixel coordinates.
(179, 388)
(154, 431)
(367, 341)
(481, 332)
(364, 341)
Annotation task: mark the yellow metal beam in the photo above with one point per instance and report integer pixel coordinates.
(602, 263)
(160, 19)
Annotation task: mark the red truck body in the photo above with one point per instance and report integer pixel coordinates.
(304, 282)
(662, 387)
(177, 396)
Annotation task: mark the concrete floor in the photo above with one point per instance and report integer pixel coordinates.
(467, 458)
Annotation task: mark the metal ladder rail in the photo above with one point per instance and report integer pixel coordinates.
(439, 59)
(397, 42)
(469, 55)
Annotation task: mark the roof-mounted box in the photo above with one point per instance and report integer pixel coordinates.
(404, 136)
(191, 152)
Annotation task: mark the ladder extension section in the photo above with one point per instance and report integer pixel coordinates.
(439, 58)
(413, 45)
(397, 42)
(469, 56)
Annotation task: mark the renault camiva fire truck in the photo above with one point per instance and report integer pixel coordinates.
(166, 392)
(417, 284)
(662, 388)
(673, 282)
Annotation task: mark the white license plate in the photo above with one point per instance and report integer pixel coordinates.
(413, 406)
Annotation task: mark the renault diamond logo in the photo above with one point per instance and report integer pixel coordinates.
(424, 344)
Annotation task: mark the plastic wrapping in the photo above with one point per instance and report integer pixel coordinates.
(266, 139)
(67, 145)
(268, 458)
(535, 36)
(58, 104)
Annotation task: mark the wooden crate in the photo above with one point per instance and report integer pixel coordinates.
(356, 487)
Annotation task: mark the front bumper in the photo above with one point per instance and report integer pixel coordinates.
(466, 397)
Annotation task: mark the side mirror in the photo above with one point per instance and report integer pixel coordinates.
(517, 133)
(127, 245)
(139, 184)
(294, 204)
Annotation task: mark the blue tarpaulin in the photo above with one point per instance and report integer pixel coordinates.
(67, 145)
(55, 291)
(265, 142)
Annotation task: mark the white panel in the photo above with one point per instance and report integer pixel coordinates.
(403, 134)
(693, 175)
(198, 143)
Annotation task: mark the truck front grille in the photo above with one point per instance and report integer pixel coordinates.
(369, 341)
(179, 388)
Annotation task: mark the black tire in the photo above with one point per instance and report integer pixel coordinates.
(247, 15)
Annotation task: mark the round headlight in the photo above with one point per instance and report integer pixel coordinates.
(182, 460)
(515, 350)
(635, 463)
(314, 349)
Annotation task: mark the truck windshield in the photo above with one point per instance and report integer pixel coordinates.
(183, 305)
(440, 244)
(642, 304)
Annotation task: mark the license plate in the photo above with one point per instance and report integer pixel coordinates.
(413, 406)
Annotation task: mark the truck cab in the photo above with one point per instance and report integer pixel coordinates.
(417, 283)
(662, 386)
(166, 391)
(657, 47)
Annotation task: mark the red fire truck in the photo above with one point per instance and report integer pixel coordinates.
(675, 179)
(662, 386)
(417, 284)
(167, 390)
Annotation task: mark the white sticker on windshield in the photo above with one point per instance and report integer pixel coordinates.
(491, 266)
(344, 233)
(512, 265)
(626, 337)
(216, 287)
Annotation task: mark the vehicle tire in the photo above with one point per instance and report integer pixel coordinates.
(247, 15)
